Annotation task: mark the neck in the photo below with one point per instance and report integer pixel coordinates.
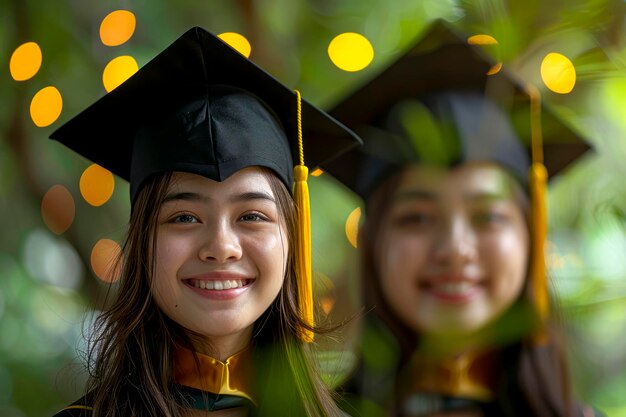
(450, 345)
(222, 347)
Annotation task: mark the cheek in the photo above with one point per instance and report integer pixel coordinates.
(270, 255)
(508, 260)
(400, 258)
(170, 254)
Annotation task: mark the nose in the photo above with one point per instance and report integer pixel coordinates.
(220, 244)
(456, 243)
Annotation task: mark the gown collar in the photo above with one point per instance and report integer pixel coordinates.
(232, 377)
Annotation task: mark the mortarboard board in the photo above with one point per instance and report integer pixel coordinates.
(201, 107)
(442, 85)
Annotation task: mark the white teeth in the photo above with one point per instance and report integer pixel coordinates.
(218, 285)
(454, 288)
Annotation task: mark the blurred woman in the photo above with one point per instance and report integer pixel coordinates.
(452, 242)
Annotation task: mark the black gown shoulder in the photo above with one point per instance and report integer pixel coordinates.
(76, 409)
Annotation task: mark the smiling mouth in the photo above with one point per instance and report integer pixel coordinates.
(453, 290)
(219, 285)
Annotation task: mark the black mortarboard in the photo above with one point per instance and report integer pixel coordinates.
(441, 86)
(202, 107)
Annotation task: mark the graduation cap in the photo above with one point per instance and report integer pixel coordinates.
(443, 61)
(437, 103)
(201, 107)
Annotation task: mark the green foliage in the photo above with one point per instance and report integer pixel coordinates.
(40, 319)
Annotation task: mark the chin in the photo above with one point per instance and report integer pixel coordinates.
(454, 329)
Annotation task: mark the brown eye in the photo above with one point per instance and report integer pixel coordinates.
(252, 217)
(414, 219)
(185, 218)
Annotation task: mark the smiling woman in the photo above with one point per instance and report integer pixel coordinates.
(210, 317)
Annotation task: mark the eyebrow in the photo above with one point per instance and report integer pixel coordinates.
(487, 197)
(417, 194)
(196, 197)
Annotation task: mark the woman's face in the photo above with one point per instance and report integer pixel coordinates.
(221, 254)
(453, 248)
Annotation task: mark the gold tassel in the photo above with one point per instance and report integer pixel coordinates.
(303, 236)
(538, 178)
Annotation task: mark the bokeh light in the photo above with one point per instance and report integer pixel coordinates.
(96, 185)
(54, 311)
(327, 303)
(117, 27)
(352, 226)
(351, 51)
(25, 61)
(558, 73)
(117, 71)
(104, 256)
(58, 209)
(486, 40)
(46, 106)
(482, 39)
(317, 172)
(495, 69)
(237, 42)
(52, 260)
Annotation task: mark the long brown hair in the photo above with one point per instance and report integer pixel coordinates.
(130, 355)
(534, 378)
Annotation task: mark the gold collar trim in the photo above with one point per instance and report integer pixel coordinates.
(467, 375)
(232, 377)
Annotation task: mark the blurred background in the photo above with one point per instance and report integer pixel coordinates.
(62, 219)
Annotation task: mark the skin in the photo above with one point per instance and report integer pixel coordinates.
(453, 248)
(213, 231)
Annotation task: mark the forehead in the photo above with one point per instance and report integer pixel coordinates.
(463, 180)
(244, 180)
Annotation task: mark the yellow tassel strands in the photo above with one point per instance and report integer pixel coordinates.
(303, 236)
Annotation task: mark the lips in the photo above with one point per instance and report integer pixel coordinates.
(454, 289)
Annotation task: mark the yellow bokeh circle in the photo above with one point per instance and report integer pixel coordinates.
(104, 257)
(117, 27)
(96, 185)
(482, 40)
(58, 209)
(495, 69)
(117, 71)
(46, 106)
(558, 73)
(486, 40)
(25, 61)
(352, 226)
(351, 51)
(237, 42)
